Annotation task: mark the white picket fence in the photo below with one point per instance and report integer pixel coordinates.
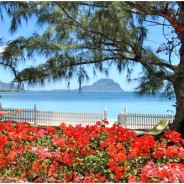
(38, 117)
(126, 120)
(141, 121)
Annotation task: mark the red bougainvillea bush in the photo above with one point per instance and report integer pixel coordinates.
(88, 154)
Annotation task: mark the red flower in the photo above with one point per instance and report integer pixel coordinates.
(141, 146)
(52, 180)
(51, 130)
(63, 125)
(3, 140)
(36, 166)
(7, 125)
(112, 165)
(68, 177)
(121, 156)
(89, 179)
(171, 151)
(158, 153)
(119, 173)
(66, 155)
(53, 167)
(172, 136)
(77, 180)
(100, 178)
(170, 172)
(63, 157)
(11, 156)
(59, 141)
(131, 179)
(112, 151)
(98, 123)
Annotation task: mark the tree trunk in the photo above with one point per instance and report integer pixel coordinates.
(178, 123)
(178, 81)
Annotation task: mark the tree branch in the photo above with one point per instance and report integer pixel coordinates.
(81, 26)
(157, 23)
(148, 11)
(11, 67)
(84, 3)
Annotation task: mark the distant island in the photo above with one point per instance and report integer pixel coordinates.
(7, 87)
(102, 85)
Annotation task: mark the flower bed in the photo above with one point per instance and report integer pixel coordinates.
(88, 154)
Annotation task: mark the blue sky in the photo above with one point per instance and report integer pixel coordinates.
(154, 39)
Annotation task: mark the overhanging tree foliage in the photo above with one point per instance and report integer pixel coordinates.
(78, 34)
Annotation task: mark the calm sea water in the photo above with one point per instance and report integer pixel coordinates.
(88, 102)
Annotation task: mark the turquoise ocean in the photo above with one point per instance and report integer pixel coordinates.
(88, 102)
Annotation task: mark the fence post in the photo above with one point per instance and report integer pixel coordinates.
(120, 120)
(35, 114)
(125, 115)
(105, 113)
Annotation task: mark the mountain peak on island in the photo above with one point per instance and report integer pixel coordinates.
(103, 85)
